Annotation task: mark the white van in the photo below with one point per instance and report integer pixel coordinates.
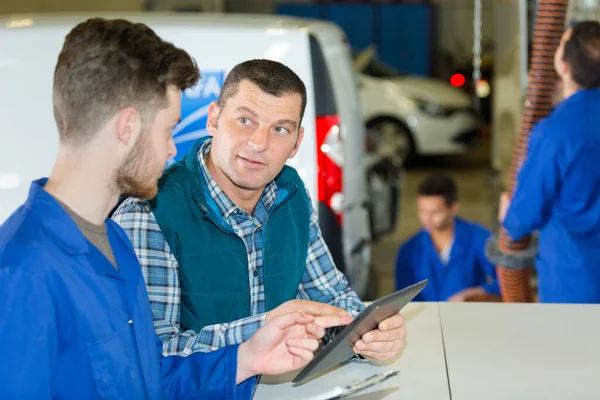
(331, 158)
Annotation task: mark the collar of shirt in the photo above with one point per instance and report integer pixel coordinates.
(55, 219)
(446, 251)
(225, 205)
(580, 95)
(62, 228)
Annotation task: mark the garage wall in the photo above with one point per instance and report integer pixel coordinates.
(259, 6)
(454, 30)
(454, 36)
(455, 25)
(508, 102)
(186, 5)
(584, 9)
(44, 6)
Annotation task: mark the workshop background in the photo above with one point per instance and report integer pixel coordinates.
(446, 42)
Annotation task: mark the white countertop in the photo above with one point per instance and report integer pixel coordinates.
(475, 351)
(522, 351)
(422, 367)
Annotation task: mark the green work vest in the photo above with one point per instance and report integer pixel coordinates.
(213, 262)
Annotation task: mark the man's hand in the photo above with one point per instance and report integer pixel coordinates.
(306, 307)
(468, 294)
(284, 344)
(503, 206)
(385, 342)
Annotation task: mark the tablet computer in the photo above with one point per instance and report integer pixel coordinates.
(340, 348)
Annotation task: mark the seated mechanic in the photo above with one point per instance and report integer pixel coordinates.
(231, 240)
(448, 251)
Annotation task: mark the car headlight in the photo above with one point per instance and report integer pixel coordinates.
(483, 89)
(434, 109)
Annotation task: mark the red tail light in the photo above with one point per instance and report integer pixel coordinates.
(330, 164)
(457, 80)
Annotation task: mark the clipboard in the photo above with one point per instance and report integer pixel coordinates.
(355, 387)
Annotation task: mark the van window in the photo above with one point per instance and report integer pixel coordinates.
(324, 97)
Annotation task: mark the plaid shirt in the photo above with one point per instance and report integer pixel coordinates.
(321, 280)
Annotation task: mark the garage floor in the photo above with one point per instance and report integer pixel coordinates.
(472, 172)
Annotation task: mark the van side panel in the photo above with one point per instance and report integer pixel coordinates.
(29, 142)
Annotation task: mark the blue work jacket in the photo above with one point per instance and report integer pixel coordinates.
(467, 267)
(558, 193)
(74, 327)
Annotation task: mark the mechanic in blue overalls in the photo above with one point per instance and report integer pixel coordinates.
(448, 251)
(558, 191)
(75, 319)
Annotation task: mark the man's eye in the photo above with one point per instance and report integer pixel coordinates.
(281, 131)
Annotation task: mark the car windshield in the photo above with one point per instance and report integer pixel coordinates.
(378, 69)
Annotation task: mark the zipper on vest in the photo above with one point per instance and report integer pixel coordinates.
(206, 217)
(266, 249)
(279, 204)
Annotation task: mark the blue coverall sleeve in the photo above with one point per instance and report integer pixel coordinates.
(405, 275)
(28, 335)
(538, 185)
(203, 375)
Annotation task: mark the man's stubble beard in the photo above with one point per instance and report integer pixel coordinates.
(130, 179)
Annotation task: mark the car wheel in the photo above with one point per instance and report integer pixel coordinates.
(380, 195)
(383, 181)
(393, 140)
(372, 292)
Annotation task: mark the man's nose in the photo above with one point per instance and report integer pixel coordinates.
(259, 140)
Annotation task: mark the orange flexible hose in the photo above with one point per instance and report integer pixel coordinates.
(549, 26)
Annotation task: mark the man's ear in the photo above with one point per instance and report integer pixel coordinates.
(565, 69)
(298, 142)
(455, 208)
(128, 125)
(212, 122)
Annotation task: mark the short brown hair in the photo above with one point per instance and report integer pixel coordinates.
(271, 77)
(582, 54)
(108, 65)
(441, 185)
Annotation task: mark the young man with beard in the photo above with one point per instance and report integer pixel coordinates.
(75, 321)
(449, 251)
(232, 240)
(558, 187)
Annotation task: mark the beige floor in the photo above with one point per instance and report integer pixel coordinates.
(477, 196)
